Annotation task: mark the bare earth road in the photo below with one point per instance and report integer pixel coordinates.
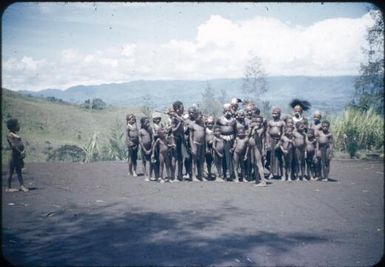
(94, 214)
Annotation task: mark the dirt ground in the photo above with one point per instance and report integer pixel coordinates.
(96, 215)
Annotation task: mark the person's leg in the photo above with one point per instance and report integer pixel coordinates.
(130, 161)
(134, 160)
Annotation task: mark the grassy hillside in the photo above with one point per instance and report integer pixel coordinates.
(44, 124)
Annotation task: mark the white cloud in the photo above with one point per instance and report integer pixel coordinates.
(220, 50)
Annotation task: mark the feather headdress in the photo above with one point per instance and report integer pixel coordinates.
(305, 105)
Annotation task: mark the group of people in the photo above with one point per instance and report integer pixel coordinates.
(239, 146)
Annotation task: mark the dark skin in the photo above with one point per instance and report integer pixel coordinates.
(274, 130)
(286, 144)
(198, 141)
(132, 142)
(218, 152)
(145, 140)
(311, 143)
(299, 146)
(227, 125)
(17, 155)
(239, 153)
(178, 132)
(209, 145)
(161, 148)
(324, 149)
(171, 152)
(258, 136)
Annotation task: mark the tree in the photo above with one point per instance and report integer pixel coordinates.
(94, 104)
(98, 104)
(369, 86)
(254, 84)
(209, 104)
(148, 106)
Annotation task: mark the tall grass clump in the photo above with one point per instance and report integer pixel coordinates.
(92, 149)
(358, 130)
(115, 146)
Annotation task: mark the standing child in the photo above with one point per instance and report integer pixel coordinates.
(311, 143)
(257, 134)
(16, 162)
(228, 133)
(209, 145)
(287, 147)
(316, 126)
(171, 152)
(218, 150)
(145, 140)
(299, 147)
(160, 150)
(325, 149)
(132, 143)
(273, 135)
(198, 141)
(156, 124)
(239, 152)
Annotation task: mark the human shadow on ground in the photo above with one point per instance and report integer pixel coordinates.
(109, 235)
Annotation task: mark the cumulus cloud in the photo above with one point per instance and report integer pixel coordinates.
(220, 49)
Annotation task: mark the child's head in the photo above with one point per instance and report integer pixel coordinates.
(276, 113)
(258, 121)
(227, 111)
(289, 130)
(199, 117)
(144, 122)
(130, 118)
(178, 107)
(289, 121)
(210, 122)
(325, 125)
(156, 118)
(310, 133)
(317, 116)
(217, 131)
(13, 125)
(192, 112)
(240, 115)
(241, 132)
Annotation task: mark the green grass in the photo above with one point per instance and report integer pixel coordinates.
(356, 131)
(45, 124)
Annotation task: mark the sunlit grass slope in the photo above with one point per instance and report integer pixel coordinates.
(45, 124)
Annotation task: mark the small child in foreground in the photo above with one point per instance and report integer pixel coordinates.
(286, 144)
(239, 152)
(16, 162)
(325, 149)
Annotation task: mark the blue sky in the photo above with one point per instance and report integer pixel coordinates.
(57, 45)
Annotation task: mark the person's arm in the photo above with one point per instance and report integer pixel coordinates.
(331, 146)
(215, 148)
(154, 149)
(280, 145)
(247, 149)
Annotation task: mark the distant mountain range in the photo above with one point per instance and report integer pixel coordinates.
(325, 93)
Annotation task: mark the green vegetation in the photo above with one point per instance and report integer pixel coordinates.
(369, 86)
(356, 130)
(52, 130)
